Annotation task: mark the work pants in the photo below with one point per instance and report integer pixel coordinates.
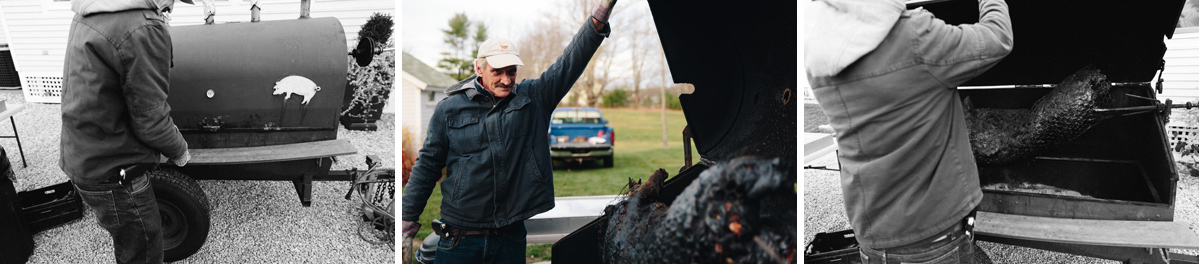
(130, 214)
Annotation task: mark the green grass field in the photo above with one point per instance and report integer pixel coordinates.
(638, 151)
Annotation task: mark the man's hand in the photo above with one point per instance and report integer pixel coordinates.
(409, 228)
(600, 15)
(182, 159)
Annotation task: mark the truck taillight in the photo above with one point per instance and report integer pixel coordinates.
(612, 137)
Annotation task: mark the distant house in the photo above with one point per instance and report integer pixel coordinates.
(422, 88)
(36, 30)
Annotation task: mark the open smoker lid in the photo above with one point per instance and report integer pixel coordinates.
(741, 58)
(1053, 39)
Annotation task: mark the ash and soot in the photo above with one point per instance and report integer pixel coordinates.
(721, 217)
(1007, 135)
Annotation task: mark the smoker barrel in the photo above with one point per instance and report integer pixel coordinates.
(1120, 169)
(230, 81)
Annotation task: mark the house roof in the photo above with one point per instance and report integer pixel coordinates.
(436, 80)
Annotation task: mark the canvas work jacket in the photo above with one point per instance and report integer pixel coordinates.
(496, 154)
(907, 169)
(114, 99)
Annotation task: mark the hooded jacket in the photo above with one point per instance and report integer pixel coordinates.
(114, 100)
(496, 154)
(906, 163)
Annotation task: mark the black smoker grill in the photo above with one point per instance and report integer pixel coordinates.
(1123, 166)
(1123, 162)
(742, 61)
(254, 101)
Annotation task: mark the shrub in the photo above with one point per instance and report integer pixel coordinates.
(616, 98)
(673, 102)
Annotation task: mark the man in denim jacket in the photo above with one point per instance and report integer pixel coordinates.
(115, 118)
(887, 79)
(490, 136)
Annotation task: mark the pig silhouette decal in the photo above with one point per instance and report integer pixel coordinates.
(296, 85)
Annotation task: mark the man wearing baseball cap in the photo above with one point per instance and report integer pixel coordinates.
(115, 118)
(490, 136)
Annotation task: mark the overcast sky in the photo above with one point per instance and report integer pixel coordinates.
(424, 21)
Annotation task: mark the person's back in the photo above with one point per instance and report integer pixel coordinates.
(908, 174)
(115, 118)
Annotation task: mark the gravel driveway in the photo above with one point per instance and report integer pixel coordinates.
(252, 221)
(824, 212)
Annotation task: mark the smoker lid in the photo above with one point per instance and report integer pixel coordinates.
(1052, 39)
(741, 60)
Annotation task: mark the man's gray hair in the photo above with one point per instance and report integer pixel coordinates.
(480, 62)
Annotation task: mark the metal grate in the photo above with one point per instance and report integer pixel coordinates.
(42, 88)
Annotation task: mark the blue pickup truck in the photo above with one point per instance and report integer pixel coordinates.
(580, 134)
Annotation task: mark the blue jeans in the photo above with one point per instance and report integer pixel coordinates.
(958, 247)
(493, 249)
(130, 214)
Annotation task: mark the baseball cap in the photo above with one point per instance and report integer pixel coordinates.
(500, 53)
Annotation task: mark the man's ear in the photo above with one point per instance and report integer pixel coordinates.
(478, 68)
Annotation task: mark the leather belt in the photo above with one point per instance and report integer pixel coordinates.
(966, 227)
(490, 232)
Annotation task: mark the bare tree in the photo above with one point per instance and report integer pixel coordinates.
(540, 46)
(642, 46)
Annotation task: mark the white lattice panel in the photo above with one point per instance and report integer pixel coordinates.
(42, 88)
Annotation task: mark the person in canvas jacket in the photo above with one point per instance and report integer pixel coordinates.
(887, 79)
(489, 134)
(115, 117)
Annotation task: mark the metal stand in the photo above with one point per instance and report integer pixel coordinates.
(24, 164)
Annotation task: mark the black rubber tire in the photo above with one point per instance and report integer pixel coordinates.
(185, 213)
(608, 162)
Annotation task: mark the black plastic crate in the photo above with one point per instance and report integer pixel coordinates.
(50, 207)
(833, 248)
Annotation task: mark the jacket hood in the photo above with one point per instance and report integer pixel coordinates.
(88, 7)
(838, 32)
(463, 85)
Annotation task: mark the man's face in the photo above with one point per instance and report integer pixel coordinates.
(499, 81)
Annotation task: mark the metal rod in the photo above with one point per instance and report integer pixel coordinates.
(18, 137)
(687, 148)
(1036, 86)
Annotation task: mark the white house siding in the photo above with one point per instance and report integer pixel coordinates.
(410, 107)
(3, 28)
(37, 29)
(1181, 78)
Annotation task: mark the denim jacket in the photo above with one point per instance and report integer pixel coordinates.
(114, 100)
(496, 156)
(906, 163)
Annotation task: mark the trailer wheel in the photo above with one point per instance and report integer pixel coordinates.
(184, 209)
(608, 162)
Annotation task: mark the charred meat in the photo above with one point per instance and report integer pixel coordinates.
(717, 219)
(1006, 135)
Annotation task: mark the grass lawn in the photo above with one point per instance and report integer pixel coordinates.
(638, 152)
